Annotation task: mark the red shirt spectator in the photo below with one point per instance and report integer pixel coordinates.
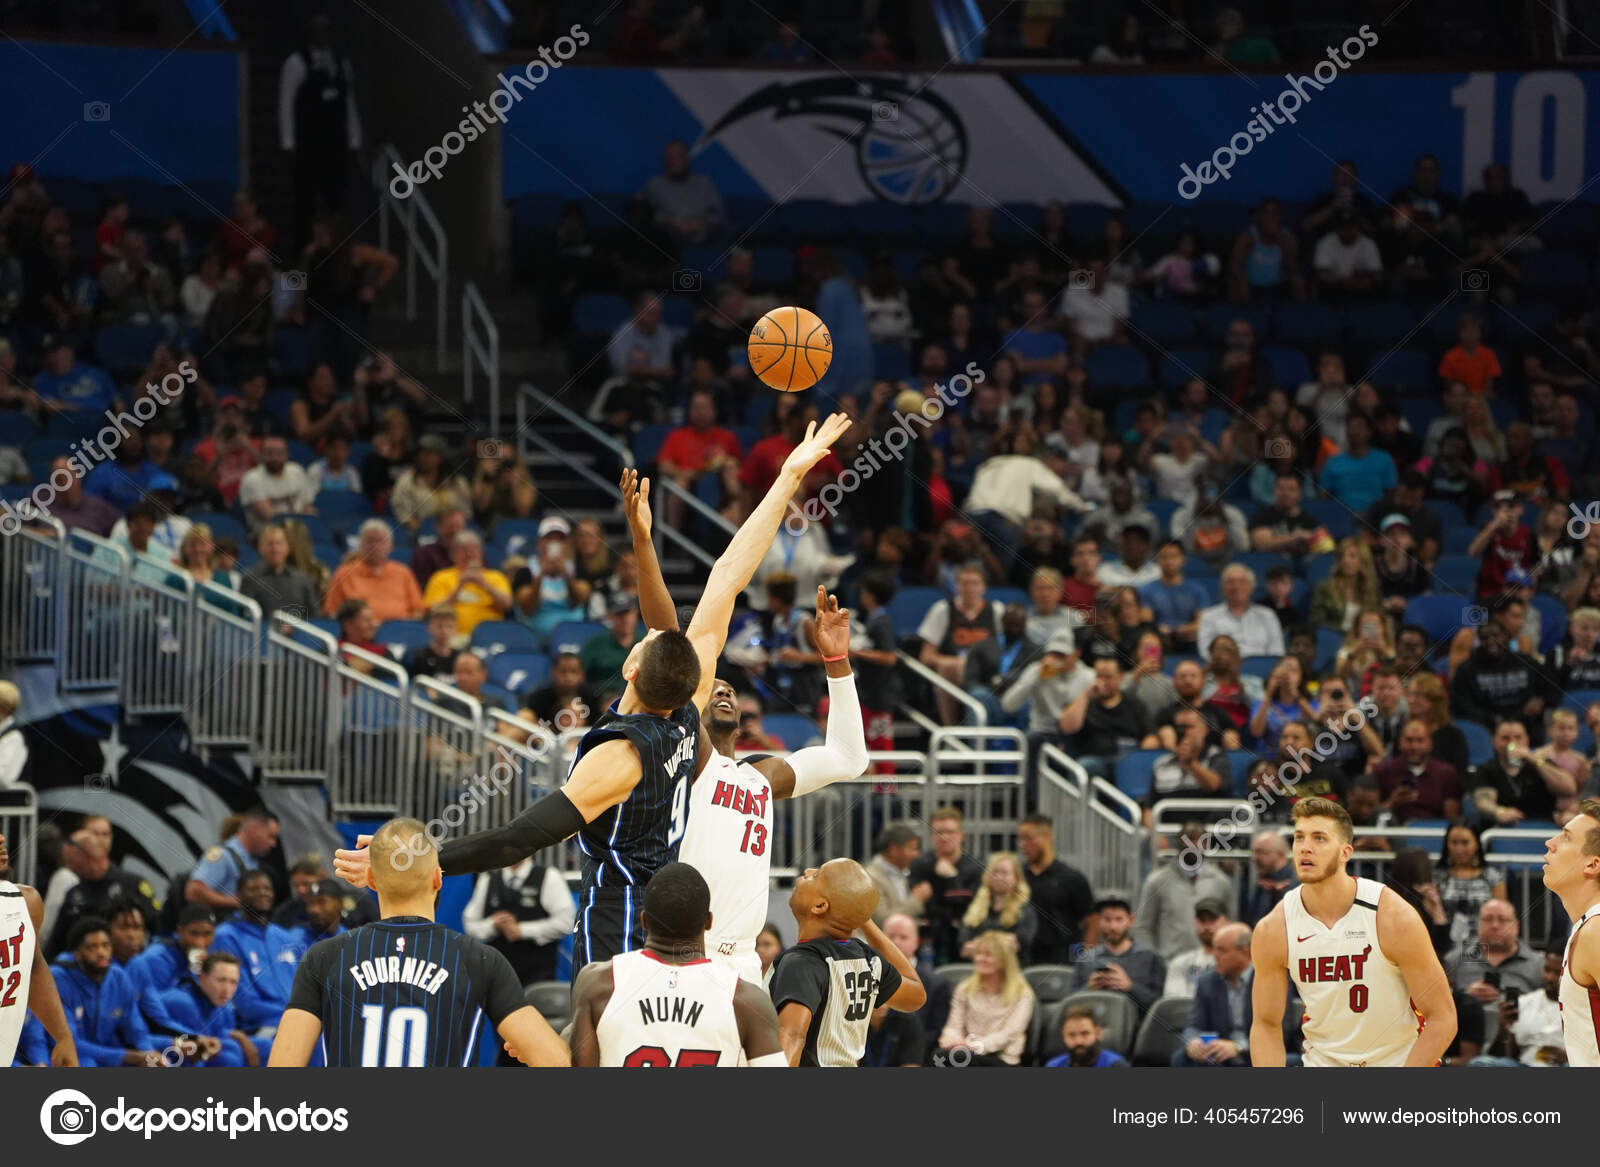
(1504, 544)
(766, 458)
(1432, 788)
(691, 447)
(244, 232)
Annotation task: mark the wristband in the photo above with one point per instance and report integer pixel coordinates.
(828, 660)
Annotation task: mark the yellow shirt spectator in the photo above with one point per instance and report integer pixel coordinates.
(470, 592)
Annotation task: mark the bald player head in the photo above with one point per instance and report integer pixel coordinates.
(833, 900)
(405, 869)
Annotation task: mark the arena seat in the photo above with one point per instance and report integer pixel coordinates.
(1480, 742)
(517, 672)
(570, 635)
(517, 536)
(403, 635)
(1329, 642)
(909, 605)
(1458, 574)
(1133, 773)
(1439, 616)
(316, 527)
(647, 443)
(1164, 324)
(1308, 325)
(794, 730)
(497, 636)
(1333, 515)
(953, 974)
(1116, 1012)
(1552, 621)
(1161, 1034)
(17, 429)
(1239, 763)
(1289, 365)
(1118, 366)
(220, 524)
(598, 312)
(1180, 364)
(553, 1000)
(1049, 982)
(343, 511)
(1579, 700)
(125, 348)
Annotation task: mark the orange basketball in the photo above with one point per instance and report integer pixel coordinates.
(790, 349)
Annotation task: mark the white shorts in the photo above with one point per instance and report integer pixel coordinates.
(743, 961)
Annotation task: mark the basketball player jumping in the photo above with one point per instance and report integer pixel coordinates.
(627, 794)
(666, 1004)
(405, 991)
(25, 981)
(1360, 955)
(730, 803)
(1572, 872)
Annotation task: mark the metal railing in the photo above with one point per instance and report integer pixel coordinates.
(982, 772)
(980, 715)
(299, 719)
(476, 350)
(844, 817)
(29, 573)
(224, 668)
(433, 256)
(371, 774)
(93, 584)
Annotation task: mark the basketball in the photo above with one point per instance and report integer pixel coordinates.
(790, 349)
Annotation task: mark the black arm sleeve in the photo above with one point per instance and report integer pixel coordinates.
(544, 824)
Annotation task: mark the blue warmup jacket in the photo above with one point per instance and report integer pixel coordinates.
(268, 957)
(154, 971)
(189, 1007)
(105, 1017)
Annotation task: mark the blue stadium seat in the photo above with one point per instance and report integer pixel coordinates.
(1004, 595)
(1213, 422)
(647, 443)
(220, 524)
(570, 635)
(1332, 514)
(1552, 621)
(1183, 363)
(1239, 763)
(497, 636)
(792, 729)
(331, 627)
(909, 606)
(1444, 323)
(292, 352)
(496, 695)
(1216, 319)
(1555, 273)
(16, 429)
(1289, 365)
(277, 402)
(1532, 847)
(1379, 325)
(403, 635)
(518, 671)
(1261, 562)
(1457, 575)
(1403, 369)
(1118, 366)
(74, 425)
(518, 535)
(316, 526)
(1480, 742)
(1163, 509)
(1318, 568)
(1329, 642)
(1448, 514)
(1579, 700)
(330, 555)
(1258, 666)
(891, 362)
(1439, 616)
(1163, 323)
(1307, 325)
(1419, 413)
(343, 510)
(126, 348)
(599, 312)
(1133, 773)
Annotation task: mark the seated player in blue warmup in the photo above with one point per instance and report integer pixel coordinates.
(324, 906)
(267, 956)
(1080, 1033)
(627, 795)
(169, 961)
(202, 1008)
(101, 1002)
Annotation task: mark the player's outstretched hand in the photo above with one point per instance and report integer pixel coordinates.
(816, 443)
(636, 503)
(352, 866)
(833, 625)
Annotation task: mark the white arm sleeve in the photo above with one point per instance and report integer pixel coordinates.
(771, 1061)
(844, 752)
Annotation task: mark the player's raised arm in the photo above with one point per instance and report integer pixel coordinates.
(1405, 940)
(1269, 952)
(736, 566)
(655, 602)
(590, 993)
(758, 1027)
(843, 753)
(44, 999)
(298, 1032)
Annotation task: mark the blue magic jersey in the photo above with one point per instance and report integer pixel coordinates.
(633, 840)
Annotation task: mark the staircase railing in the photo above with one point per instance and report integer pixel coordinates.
(432, 254)
(481, 350)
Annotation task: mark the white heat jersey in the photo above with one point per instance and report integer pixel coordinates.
(17, 941)
(729, 842)
(1580, 1005)
(1357, 1009)
(664, 1014)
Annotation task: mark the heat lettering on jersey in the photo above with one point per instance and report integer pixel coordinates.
(741, 800)
(389, 970)
(11, 947)
(1315, 969)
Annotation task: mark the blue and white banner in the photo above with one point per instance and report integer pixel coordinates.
(981, 137)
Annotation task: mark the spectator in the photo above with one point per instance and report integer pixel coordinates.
(1273, 876)
(1243, 373)
(1103, 723)
(276, 487)
(1415, 784)
(358, 628)
(1347, 261)
(1119, 963)
(385, 463)
(696, 449)
(1519, 784)
(170, 960)
(1134, 569)
(1177, 475)
(523, 911)
(469, 677)
(1049, 684)
(1225, 688)
(1495, 682)
(1236, 47)
(1281, 602)
(1349, 589)
(873, 653)
(567, 701)
(101, 1002)
(427, 489)
(1470, 361)
(318, 125)
(945, 882)
(1265, 262)
(101, 888)
(547, 593)
(66, 385)
(1184, 274)
(991, 1009)
(1284, 527)
(1123, 508)
(202, 1006)
(477, 593)
(1192, 768)
(244, 232)
(1576, 660)
(1565, 443)
(1036, 348)
(1188, 685)
(77, 509)
(135, 290)
(685, 205)
(1530, 1029)
(129, 477)
(604, 653)
(1498, 959)
(1359, 476)
(1253, 628)
(1357, 745)
(951, 628)
(640, 40)
(1170, 892)
(229, 451)
(1081, 1034)
(1059, 894)
(765, 459)
(437, 658)
(890, 868)
(1000, 905)
(389, 588)
(1046, 616)
(431, 555)
(1187, 968)
(215, 878)
(13, 746)
(1094, 308)
(1408, 500)
(1217, 1032)
(332, 471)
(901, 930)
(1465, 881)
(1312, 777)
(316, 416)
(1283, 702)
(1014, 479)
(1175, 603)
(1423, 202)
(1429, 703)
(108, 235)
(267, 955)
(196, 558)
(1505, 544)
(502, 488)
